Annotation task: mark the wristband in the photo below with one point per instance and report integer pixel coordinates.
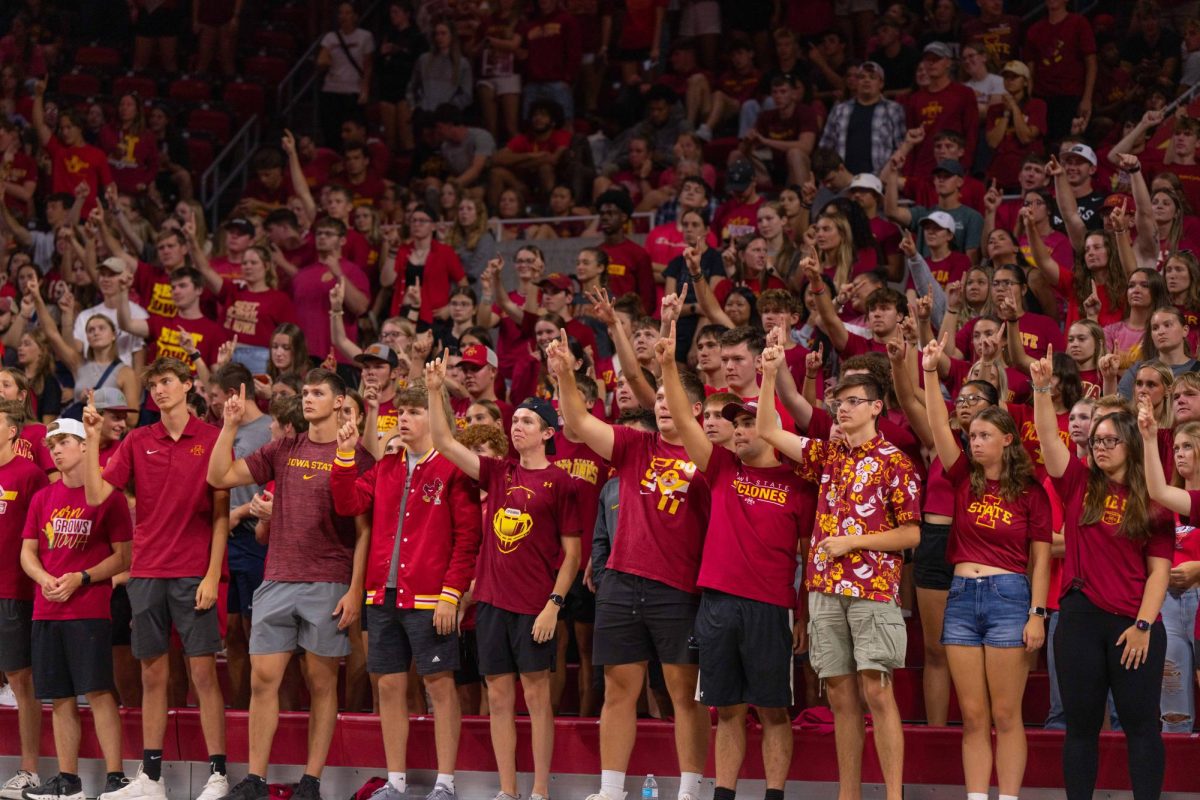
(1132, 171)
(344, 458)
(1041, 389)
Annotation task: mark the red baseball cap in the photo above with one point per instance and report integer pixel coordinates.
(480, 356)
(557, 280)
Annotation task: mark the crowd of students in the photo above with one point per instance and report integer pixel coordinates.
(901, 341)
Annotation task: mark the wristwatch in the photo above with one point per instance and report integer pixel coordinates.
(1142, 625)
(85, 579)
(1038, 611)
(558, 600)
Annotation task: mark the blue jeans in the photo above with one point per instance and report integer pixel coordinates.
(558, 91)
(1178, 687)
(1055, 719)
(990, 611)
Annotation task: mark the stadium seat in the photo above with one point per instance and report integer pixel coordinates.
(245, 99)
(212, 121)
(273, 39)
(190, 90)
(80, 83)
(200, 153)
(140, 85)
(98, 56)
(269, 69)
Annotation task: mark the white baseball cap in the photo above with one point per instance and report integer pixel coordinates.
(67, 426)
(1084, 152)
(942, 220)
(865, 180)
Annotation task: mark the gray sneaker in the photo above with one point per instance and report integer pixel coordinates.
(538, 797)
(441, 792)
(388, 792)
(505, 796)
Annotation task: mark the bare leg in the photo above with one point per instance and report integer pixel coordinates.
(971, 685)
(212, 704)
(29, 717)
(393, 719)
(154, 701)
(541, 726)
(936, 674)
(237, 657)
(776, 745)
(107, 721)
(583, 643)
(322, 675)
(1007, 671)
(447, 719)
(889, 729)
(510, 114)
(501, 691)
(265, 678)
(618, 718)
(693, 726)
(357, 683)
(486, 97)
(731, 744)
(127, 676)
(848, 733)
(67, 734)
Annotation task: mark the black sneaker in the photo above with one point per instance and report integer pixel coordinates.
(308, 788)
(57, 788)
(248, 789)
(115, 783)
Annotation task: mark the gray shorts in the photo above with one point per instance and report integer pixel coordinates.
(159, 603)
(16, 635)
(290, 616)
(850, 634)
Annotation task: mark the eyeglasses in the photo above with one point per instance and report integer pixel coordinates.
(852, 402)
(1005, 284)
(1106, 442)
(969, 399)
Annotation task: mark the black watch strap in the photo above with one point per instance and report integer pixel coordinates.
(86, 579)
(558, 600)
(1142, 625)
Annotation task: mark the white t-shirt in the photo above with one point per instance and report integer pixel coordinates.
(127, 343)
(342, 77)
(990, 85)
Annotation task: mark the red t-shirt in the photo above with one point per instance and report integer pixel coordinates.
(939, 494)
(133, 158)
(954, 109)
(31, 445)
(1111, 567)
(319, 168)
(1010, 153)
(71, 166)
(20, 169)
(164, 338)
(554, 45)
(1002, 38)
(887, 233)
(530, 510)
(310, 294)
(228, 270)
(174, 526)
(971, 194)
(590, 472)
(310, 543)
(735, 218)
(20, 480)
(153, 287)
(368, 192)
(253, 316)
(773, 125)
(629, 270)
(951, 268)
(73, 536)
(857, 345)
(758, 516)
(637, 29)
(991, 530)
(1037, 331)
(459, 406)
(1056, 52)
(524, 143)
(739, 87)
(664, 510)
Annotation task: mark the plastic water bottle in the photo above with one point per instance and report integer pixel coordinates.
(650, 788)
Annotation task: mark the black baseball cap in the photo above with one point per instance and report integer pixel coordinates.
(546, 411)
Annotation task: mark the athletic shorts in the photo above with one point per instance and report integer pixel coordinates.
(502, 84)
(122, 617)
(930, 570)
(71, 657)
(290, 616)
(467, 673)
(159, 603)
(242, 586)
(745, 651)
(581, 603)
(398, 636)
(16, 634)
(639, 619)
(506, 645)
(851, 634)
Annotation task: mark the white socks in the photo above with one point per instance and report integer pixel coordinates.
(445, 780)
(689, 784)
(977, 796)
(1008, 797)
(612, 784)
(399, 781)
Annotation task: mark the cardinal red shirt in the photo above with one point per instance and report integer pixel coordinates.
(1111, 567)
(72, 537)
(990, 529)
(953, 108)
(629, 270)
(253, 316)
(207, 335)
(1056, 52)
(590, 472)
(71, 166)
(664, 510)
(18, 169)
(31, 445)
(153, 287)
(20, 480)
(529, 511)
(758, 516)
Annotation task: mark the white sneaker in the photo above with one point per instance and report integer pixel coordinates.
(215, 787)
(139, 788)
(7, 698)
(706, 134)
(24, 779)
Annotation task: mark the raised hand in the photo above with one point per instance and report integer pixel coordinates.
(1091, 305)
(907, 327)
(814, 360)
(186, 340)
(412, 294)
(347, 437)
(1153, 118)
(330, 362)
(1110, 366)
(370, 398)
(1053, 167)
(908, 245)
(225, 352)
(914, 136)
(922, 307)
(337, 295)
(1041, 370)
(1128, 162)
(897, 348)
(288, 143)
(691, 260)
(1147, 423)
(602, 308)
(1119, 217)
(811, 269)
(664, 348)
(92, 420)
(931, 356)
(672, 305)
(559, 360)
(435, 373)
(235, 406)
(993, 198)
(772, 359)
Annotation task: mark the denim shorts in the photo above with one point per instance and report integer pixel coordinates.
(990, 611)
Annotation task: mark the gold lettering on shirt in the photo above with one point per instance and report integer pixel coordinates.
(161, 302)
(6, 496)
(168, 344)
(306, 464)
(670, 477)
(756, 492)
(989, 511)
(1029, 340)
(242, 316)
(583, 468)
(1114, 510)
(67, 529)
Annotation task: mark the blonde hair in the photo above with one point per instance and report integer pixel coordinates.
(844, 256)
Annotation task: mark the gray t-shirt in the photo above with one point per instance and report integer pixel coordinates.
(393, 570)
(459, 156)
(250, 437)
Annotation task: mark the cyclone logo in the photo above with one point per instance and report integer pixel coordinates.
(510, 525)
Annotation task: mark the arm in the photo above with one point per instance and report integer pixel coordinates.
(1147, 228)
(65, 351)
(1068, 206)
(547, 621)
(19, 232)
(206, 592)
(1090, 63)
(698, 446)
(1039, 571)
(443, 438)
(1042, 259)
(767, 421)
(224, 472)
(96, 489)
(891, 195)
(1016, 350)
(59, 588)
(603, 311)
(39, 113)
(1054, 452)
(354, 299)
(918, 269)
(827, 319)
(1169, 497)
(349, 607)
(944, 440)
(706, 301)
(593, 432)
(126, 322)
(299, 182)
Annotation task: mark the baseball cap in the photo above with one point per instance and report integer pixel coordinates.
(951, 166)
(378, 352)
(740, 175)
(873, 66)
(110, 399)
(66, 426)
(114, 265)
(942, 220)
(557, 280)
(479, 356)
(733, 408)
(1017, 68)
(939, 49)
(865, 180)
(1084, 152)
(1116, 200)
(546, 411)
(241, 225)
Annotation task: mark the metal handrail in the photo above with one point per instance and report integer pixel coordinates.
(219, 177)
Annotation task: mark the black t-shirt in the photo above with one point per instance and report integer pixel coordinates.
(858, 139)
(711, 266)
(1135, 50)
(1090, 206)
(899, 71)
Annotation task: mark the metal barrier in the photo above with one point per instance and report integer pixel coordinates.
(497, 225)
(221, 175)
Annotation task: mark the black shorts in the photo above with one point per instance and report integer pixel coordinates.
(745, 651)
(930, 570)
(638, 619)
(581, 603)
(467, 673)
(398, 636)
(16, 635)
(71, 657)
(122, 617)
(506, 645)
(239, 598)
(159, 603)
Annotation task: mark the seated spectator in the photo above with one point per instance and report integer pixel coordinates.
(270, 187)
(466, 150)
(346, 58)
(471, 237)
(20, 49)
(174, 181)
(666, 241)
(947, 182)
(553, 49)
(738, 215)
(867, 129)
(562, 204)
(788, 62)
(18, 171)
(1151, 52)
(636, 175)
(498, 87)
(830, 60)
(734, 87)
(1015, 127)
(441, 75)
(531, 160)
(782, 139)
(661, 127)
(688, 80)
(639, 39)
(977, 70)
(132, 150)
(365, 188)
